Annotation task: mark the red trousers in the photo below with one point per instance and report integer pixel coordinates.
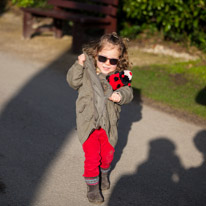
(98, 152)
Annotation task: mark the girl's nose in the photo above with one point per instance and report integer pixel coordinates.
(107, 62)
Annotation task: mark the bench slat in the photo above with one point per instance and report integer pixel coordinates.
(85, 7)
(109, 2)
(66, 15)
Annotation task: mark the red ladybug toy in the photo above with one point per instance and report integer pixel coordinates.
(120, 79)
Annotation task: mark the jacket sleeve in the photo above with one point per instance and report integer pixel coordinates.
(126, 94)
(75, 75)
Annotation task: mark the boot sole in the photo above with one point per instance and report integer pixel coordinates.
(96, 202)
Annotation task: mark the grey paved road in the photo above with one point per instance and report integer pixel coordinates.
(159, 160)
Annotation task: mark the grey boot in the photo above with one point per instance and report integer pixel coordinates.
(105, 184)
(93, 191)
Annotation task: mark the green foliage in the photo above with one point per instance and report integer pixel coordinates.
(130, 30)
(177, 19)
(31, 3)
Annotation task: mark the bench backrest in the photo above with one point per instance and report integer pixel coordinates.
(105, 7)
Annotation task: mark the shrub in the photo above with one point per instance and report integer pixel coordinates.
(177, 19)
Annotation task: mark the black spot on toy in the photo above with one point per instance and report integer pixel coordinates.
(116, 79)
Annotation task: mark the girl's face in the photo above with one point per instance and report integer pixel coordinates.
(107, 58)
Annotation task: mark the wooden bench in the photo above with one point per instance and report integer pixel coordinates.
(83, 14)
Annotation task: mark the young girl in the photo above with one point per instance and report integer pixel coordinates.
(98, 107)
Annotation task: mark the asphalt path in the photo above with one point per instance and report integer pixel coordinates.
(159, 160)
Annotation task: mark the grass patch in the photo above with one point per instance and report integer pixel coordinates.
(179, 85)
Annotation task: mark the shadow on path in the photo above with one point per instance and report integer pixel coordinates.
(193, 183)
(154, 182)
(3, 4)
(130, 113)
(201, 97)
(161, 180)
(33, 128)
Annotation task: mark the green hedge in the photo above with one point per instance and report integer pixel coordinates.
(177, 19)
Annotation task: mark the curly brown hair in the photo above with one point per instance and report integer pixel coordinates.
(94, 47)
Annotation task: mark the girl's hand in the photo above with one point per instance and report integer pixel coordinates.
(115, 97)
(81, 59)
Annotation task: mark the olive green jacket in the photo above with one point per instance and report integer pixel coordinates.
(93, 108)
